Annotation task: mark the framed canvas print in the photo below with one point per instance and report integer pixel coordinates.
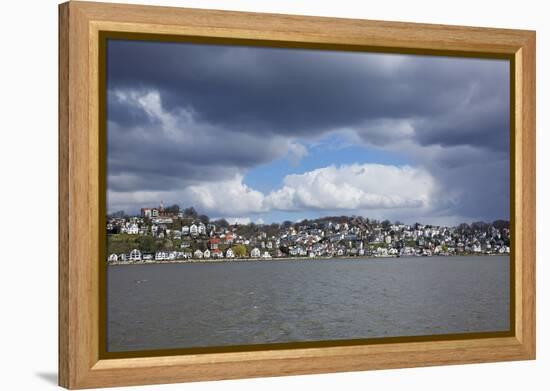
(248, 195)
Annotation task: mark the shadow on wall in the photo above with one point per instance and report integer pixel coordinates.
(48, 377)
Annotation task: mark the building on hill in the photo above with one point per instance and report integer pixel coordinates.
(201, 229)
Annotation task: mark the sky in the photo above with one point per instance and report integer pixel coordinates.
(267, 135)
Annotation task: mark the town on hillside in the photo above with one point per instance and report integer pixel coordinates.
(169, 234)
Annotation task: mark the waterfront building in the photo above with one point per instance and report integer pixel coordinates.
(229, 253)
(161, 256)
(255, 253)
(198, 254)
(135, 255)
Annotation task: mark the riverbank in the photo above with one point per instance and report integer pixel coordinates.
(311, 259)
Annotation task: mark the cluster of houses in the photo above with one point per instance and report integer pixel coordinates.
(191, 238)
(136, 256)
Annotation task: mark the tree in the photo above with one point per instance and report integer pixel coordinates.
(480, 226)
(222, 223)
(501, 224)
(173, 209)
(239, 250)
(204, 218)
(464, 227)
(272, 229)
(168, 244)
(190, 212)
(147, 244)
(386, 223)
(118, 214)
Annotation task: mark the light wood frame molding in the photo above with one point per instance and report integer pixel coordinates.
(80, 24)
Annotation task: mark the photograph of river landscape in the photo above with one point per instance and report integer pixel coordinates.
(264, 195)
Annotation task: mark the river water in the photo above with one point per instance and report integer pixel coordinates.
(240, 303)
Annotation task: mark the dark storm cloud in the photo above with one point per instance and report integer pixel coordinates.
(126, 114)
(303, 92)
(181, 114)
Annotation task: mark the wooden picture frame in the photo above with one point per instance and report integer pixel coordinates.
(81, 24)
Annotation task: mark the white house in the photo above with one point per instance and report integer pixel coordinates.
(193, 230)
(133, 229)
(229, 253)
(255, 253)
(201, 229)
(161, 256)
(198, 254)
(185, 230)
(206, 253)
(135, 255)
(113, 258)
(381, 252)
(266, 255)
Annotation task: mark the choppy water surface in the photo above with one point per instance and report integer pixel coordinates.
(240, 303)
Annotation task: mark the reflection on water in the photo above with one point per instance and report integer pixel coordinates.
(196, 305)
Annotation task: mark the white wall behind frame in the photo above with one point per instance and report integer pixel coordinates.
(28, 158)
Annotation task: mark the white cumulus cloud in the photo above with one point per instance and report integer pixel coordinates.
(354, 187)
(229, 197)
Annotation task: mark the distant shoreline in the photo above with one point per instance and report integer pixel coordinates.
(312, 259)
